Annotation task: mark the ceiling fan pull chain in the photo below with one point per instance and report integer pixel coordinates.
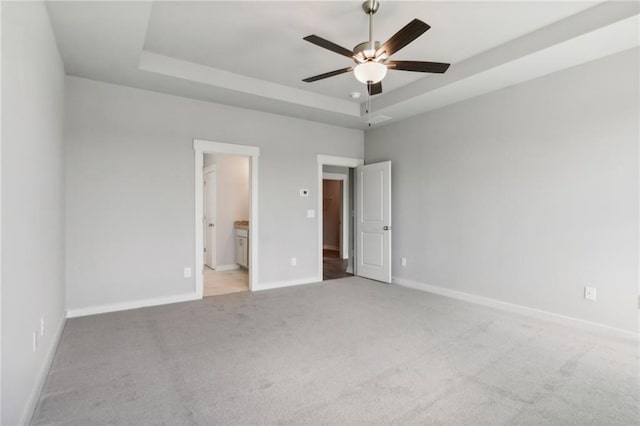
(369, 104)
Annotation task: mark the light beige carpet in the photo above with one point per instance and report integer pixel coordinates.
(349, 351)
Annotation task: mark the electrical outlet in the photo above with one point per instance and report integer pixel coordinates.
(403, 262)
(311, 214)
(41, 326)
(294, 261)
(187, 272)
(35, 341)
(590, 293)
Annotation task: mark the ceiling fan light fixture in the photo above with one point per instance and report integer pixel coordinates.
(370, 72)
(372, 58)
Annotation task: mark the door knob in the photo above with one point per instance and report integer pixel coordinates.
(385, 228)
(211, 225)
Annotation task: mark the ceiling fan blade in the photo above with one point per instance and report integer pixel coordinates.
(406, 35)
(418, 66)
(327, 75)
(374, 88)
(319, 41)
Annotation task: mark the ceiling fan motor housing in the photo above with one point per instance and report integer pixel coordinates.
(367, 49)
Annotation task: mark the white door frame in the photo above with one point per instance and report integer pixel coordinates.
(202, 147)
(330, 160)
(344, 215)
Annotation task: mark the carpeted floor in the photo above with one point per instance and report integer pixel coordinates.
(349, 351)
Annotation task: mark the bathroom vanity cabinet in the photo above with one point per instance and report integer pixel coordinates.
(242, 247)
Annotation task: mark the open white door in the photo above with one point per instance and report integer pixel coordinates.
(373, 221)
(210, 217)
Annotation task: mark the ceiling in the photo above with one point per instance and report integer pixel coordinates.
(252, 55)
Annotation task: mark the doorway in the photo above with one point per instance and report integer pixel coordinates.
(226, 217)
(336, 227)
(226, 224)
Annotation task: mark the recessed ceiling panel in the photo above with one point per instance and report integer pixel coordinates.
(252, 54)
(264, 39)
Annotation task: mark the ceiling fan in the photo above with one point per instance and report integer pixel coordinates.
(372, 57)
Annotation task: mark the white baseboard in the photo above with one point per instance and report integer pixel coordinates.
(290, 283)
(227, 267)
(124, 306)
(519, 309)
(32, 402)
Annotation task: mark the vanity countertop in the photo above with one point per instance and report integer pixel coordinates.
(242, 224)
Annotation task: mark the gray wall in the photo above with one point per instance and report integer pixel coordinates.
(525, 195)
(232, 175)
(32, 201)
(130, 189)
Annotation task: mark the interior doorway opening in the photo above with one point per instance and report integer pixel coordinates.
(239, 232)
(332, 217)
(226, 224)
(336, 221)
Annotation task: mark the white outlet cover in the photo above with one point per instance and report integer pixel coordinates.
(42, 326)
(590, 293)
(35, 341)
(403, 261)
(294, 261)
(311, 214)
(187, 272)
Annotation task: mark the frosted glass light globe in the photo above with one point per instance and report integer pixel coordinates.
(370, 72)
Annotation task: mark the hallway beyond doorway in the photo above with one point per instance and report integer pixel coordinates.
(333, 266)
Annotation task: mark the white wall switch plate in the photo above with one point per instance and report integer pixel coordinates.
(311, 214)
(304, 193)
(187, 272)
(403, 262)
(590, 293)
(294, 261)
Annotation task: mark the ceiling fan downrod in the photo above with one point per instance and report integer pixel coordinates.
(365, 51)
(370, 7)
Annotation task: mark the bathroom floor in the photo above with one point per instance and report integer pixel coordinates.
(225, 282)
